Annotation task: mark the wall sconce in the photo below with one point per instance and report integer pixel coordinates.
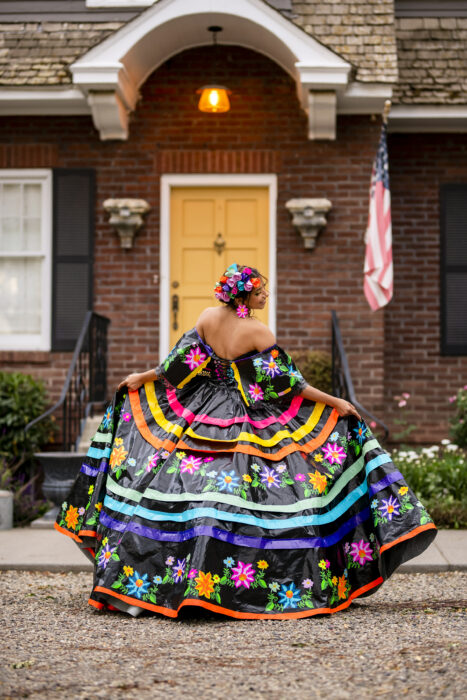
(309, 217)
(126, 216)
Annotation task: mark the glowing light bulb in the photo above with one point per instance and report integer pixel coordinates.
(214, 98)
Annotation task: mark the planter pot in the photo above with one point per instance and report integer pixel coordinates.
(60, 472)
(6, 510)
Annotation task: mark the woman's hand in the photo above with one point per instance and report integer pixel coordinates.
(345, 408)
(133, 381)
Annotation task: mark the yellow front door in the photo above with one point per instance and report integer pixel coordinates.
(210, 228)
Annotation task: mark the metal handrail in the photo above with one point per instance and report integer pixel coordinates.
(342, 384)
(86, 380)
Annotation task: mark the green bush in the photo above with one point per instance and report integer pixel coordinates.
(316, 367)
(458, 430)
(438, 476)
(21, 400)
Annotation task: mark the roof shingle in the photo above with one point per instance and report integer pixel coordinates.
(361, 31)
(40, 53)
(432, 59)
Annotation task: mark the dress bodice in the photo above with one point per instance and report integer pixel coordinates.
(221, 370)
(258, 376)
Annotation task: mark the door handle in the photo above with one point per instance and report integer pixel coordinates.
(175, 310)
(219, 244)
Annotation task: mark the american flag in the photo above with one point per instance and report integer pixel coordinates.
(378, 273)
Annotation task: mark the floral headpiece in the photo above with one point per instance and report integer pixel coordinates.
(234, 281)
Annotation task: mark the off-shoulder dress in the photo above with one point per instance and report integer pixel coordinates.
(219, 486)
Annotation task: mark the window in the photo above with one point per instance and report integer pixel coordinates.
(453, 199)
(25, 259)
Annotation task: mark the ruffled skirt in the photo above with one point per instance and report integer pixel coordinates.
(280, 510)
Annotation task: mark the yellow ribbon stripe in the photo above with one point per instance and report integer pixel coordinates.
(157, 414)
(193, 374)
(280, 435)
(239, 383)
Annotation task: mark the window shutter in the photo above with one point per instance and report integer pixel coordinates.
(73, 234)
(453, 269)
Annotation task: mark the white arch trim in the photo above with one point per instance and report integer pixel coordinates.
(113, 71)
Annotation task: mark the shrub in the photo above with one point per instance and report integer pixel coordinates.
(458, 430)
(316, 367)
(21, 400)
(438, 476)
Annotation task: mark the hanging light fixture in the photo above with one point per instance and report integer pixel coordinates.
(214, 98)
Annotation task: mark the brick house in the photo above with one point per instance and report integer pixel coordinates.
(98, 101)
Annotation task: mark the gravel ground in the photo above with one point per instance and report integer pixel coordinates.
(410, 638)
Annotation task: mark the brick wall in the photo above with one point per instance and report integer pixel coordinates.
(265, 131)
(419, 164)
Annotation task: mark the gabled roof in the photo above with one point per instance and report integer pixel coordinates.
(370, 52)
(40, 52)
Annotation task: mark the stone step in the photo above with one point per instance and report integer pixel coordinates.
(89, 430)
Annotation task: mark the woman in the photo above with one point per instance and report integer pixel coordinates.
(222, 480)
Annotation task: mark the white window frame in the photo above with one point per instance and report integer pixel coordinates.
(42, 340)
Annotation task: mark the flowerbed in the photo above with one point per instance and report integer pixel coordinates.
(438, 476)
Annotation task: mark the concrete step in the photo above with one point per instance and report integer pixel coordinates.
(89, 430)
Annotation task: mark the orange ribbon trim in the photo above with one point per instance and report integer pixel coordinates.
(143, 426)
(408, 536)
(169, 612)
(244, 449)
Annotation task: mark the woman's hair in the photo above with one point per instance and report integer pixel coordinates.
(243, 295)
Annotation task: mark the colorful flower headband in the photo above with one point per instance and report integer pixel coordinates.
(233, 282)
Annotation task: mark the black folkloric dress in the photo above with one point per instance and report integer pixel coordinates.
(219, 486)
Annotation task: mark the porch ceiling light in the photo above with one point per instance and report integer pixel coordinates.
(214, 98)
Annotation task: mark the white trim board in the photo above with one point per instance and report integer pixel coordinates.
(428, 118)
(169, 181)
(36, 101)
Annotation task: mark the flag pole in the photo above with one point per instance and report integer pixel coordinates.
(386, 110)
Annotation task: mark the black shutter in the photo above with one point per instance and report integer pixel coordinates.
(453, 269)
(73, 234)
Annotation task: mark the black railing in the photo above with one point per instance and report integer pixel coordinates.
(342, 385)
(86, 381)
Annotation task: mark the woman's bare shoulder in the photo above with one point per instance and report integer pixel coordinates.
(261, 335)
(208, 312)
(207, 316)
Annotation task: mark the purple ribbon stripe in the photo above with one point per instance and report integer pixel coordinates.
(231, 538)
(94, 471)
(382, 483)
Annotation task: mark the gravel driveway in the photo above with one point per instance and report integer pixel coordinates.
(408, 639)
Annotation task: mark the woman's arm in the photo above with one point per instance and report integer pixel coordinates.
(343, 407)
(137, 379)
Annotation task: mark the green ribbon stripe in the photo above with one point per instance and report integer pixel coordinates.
(102, 437)
(220, 497)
